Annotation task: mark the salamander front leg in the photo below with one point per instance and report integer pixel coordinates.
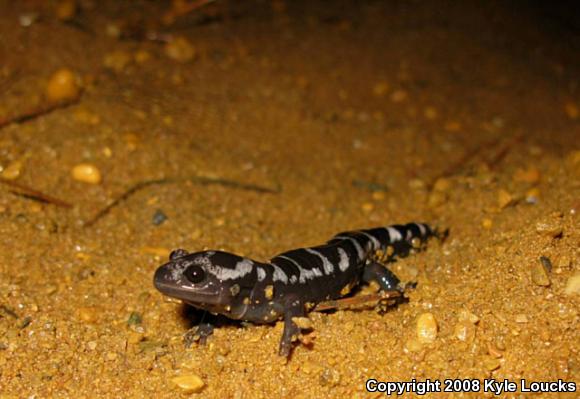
(198, 333)
(294, 308)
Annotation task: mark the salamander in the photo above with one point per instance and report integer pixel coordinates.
(290, 284)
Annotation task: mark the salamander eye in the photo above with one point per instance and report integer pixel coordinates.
(195, 274)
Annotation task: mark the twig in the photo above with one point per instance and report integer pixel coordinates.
(8, 311)
(132, 190)
(194, 179)
(344, 303)
(180, 9)
(9, 79)
(476, 152)
(33, 194)
(233, 184)
(502, 153)
(41, 110)
(369, 185)
(461, 162)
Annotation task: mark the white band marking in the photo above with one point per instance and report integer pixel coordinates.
(328, 267)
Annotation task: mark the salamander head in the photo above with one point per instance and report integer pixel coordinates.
(208, 280)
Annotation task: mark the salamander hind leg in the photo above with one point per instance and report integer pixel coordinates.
(381, 275)
(386, 279)
(294, 308)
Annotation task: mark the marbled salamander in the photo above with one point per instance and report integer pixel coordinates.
(291, 283)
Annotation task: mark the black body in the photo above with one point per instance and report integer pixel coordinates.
(291, 283)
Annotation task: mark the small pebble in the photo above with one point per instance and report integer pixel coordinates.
(426, 328)
(380, 89)
(86, 117)
(117, 60)
(189, 383)
(160, 252)
(150, 346)
(413, 345)
(50, 289)
(62, 86)
(85, 273)
(504, 199)
(412, 272)
(573, 285)
(487, 223)
(430, 113)
(134, 318)
(378, 195)
(465, 331)
(83, 256)
(453, 126)
(571, 110)
(549, 228)
(533, 195)
(545, 335)
(180, 49)
(309, 367)
(442, 185)
(399, 96)
(437, 198)
(498, 122)
(349, 326)
(416, 184)
(530, 175)
(159, 217)
(142, 56)
(153, 200)
(500, 343)
(564, 262)
(66, 10)
(86, 173)
(367, 207)
(279, 6)
(547, 263)
(494, 351)
(131, 141)
(329, 377)
(490, 363)
(13, 170)
(302, 82)
(304, 323)
(196, 234)
(465, 314)
(27, 19)
(521, 318)
(540, 275)
(113, 30)
(25, 322)
(134, 337)
(574, 157)
(87, 314)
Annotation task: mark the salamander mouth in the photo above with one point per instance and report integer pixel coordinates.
(166, 282)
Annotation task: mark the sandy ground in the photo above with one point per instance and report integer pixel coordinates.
(274, 125)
